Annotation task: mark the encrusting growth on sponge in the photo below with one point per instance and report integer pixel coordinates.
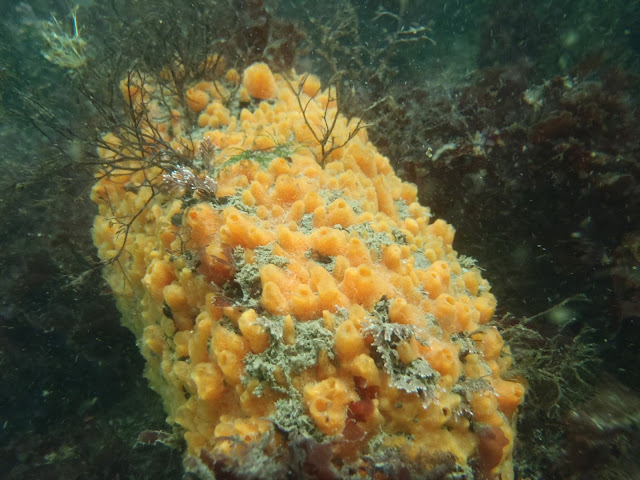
(295, 303)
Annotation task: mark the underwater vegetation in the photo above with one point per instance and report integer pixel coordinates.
(529, 150)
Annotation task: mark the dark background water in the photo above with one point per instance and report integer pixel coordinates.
(530, 110)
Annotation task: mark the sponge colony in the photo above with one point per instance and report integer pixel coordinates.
(300, 300)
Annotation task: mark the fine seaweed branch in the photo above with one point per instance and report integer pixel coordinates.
(336, 102)
(560, 365)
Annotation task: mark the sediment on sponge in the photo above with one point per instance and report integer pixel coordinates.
(299, 310)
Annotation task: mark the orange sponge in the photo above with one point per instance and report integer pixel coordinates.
(304, 309)
(197, 100)
(259, 81)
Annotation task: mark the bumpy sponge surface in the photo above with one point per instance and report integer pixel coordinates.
(296, 304)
